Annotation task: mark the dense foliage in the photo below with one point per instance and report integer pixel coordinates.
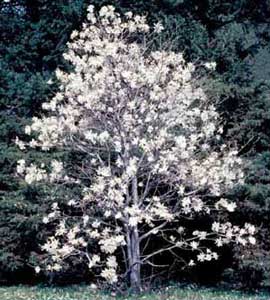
(235, 34)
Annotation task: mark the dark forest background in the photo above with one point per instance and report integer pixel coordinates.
(233, 33)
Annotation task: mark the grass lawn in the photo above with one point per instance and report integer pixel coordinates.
(86, 293)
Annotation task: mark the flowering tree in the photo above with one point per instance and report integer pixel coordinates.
(145, 131)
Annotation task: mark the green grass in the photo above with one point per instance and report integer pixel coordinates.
(86, 293)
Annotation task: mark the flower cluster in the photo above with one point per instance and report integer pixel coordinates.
(33, 174)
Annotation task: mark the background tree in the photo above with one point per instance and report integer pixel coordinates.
(32, 38)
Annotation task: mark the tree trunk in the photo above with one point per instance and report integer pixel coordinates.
(134, 260)
(134, 247)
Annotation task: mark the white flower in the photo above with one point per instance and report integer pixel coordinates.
(94, 261)
(57, 166)
(33, 143)
(104, 171)
(96, 224)
(27, 130)
(93, 286)
(55, 206)
(103, 11)
(133, 221)
(111, 262)
(219, 242)
(20, 144)
(110, 244)
(74, 34)
(210, 65)
(85, 220)
(241, 240)
(56, 267)
(71, 202)
(91, 8)
(35, 174)
(91, 136)
(117, 146)
(231, 206)
(96, 258)
(158, 27)
(250, 228)
(215, 226)
(194, 245)
(181, 229)
(107, 214)
(181, 141)
(45, 220)
(201, 257)
(109, 274)
(179, 244)
(118, 215)
(21, 166)
(129, 14)
(172, 238)
(104, 136)
(186, 201)
(202, 235)
(252, 240)
(191, 263)
(37, 269)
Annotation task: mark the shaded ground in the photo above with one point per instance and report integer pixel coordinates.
(86, 293)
